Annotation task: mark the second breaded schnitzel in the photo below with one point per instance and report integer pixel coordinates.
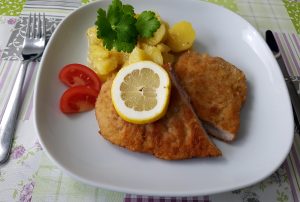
(175, 136)
(217, 90)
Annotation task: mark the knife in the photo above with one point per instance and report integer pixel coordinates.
(295, 99)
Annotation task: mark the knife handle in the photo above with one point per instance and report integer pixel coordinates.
(294, 97)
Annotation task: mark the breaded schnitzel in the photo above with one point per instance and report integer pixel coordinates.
(175, 136)
(217, 90)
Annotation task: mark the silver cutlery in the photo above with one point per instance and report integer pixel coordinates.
(288, 79)
(33, 47)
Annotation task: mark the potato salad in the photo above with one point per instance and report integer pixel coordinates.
(160, 48)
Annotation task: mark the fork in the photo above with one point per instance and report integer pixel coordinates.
(33, 47)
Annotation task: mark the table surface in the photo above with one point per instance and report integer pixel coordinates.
(30, 175)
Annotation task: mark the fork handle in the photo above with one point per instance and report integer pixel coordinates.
(9, 119)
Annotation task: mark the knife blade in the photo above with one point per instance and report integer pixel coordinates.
(295, 98)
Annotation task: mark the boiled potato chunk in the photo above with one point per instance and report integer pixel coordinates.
(121, 57)
(104, 66)
(158, 36)
(137, 55)
(181, 36)
(154, 53)
(103, 61)
(92, 36)
(163, 48)
(98, 51)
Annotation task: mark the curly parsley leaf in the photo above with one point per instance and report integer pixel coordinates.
(119, 28)
(124, 46)
(128, 9)
(104, 30)
(114, 12)
(126, 31)
(147, 24)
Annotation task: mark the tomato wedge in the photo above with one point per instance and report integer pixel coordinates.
(78, 99)
(79, 75)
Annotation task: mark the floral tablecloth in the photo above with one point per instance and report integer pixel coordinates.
(30, 175)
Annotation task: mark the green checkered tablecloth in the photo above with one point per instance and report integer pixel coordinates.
(30, 175)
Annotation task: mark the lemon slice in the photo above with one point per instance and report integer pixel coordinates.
(140, 92)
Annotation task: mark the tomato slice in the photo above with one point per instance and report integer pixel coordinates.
(79, 75)
(78, 99)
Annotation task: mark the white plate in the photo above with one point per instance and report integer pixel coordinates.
(266, 134)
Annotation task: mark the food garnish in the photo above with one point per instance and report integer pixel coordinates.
(147, 24)
(140, 92)
(78, 99)
(79, 75)
(84, 86)
(119, 27)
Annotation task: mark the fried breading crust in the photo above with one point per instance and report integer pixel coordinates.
(175, 136)
(217, 90)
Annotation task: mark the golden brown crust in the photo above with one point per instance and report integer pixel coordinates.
(217, 89)
(175, 136)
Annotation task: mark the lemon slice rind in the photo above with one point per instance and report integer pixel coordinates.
(162, 92)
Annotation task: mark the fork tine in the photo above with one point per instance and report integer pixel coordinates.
(28, 26)
(33, 30)
(39, 27)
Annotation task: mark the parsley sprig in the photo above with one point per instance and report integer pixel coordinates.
(119, 28)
